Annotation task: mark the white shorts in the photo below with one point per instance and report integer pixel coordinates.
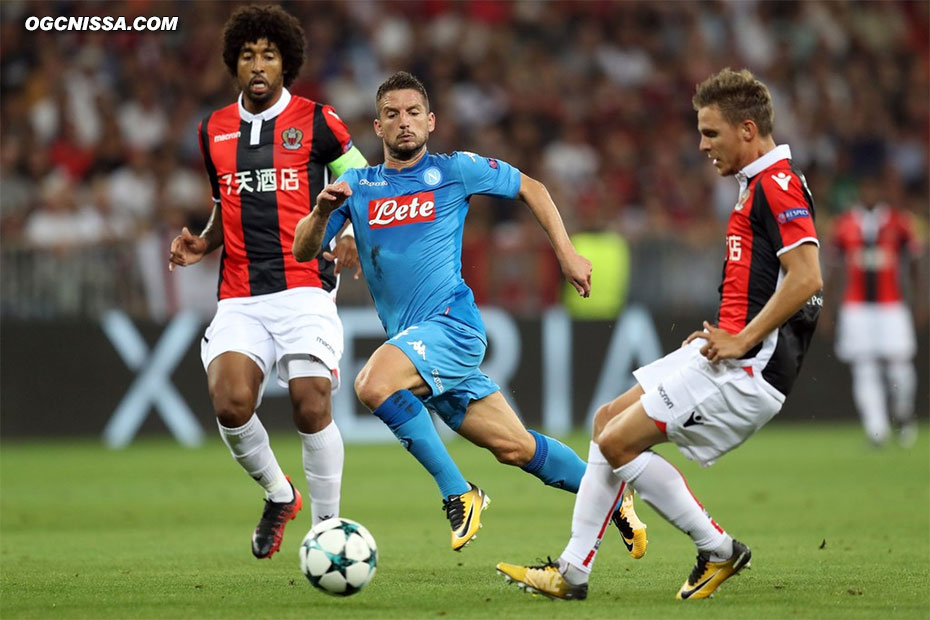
(298, 330)
(706, 409)
(874, 331)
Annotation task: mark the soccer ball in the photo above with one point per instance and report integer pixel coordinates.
(338, 556)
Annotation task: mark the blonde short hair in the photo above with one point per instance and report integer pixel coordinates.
(740, 96)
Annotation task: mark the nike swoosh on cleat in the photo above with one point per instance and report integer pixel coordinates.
(688, 594)
(628, 545)
(468, 520)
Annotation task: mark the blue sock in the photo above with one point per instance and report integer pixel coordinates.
(555, 464)
(410, 422)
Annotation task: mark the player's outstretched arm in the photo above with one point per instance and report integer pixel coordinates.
(575, 267)
(187, 249)
(308, 236)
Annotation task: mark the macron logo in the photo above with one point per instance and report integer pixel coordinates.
(401, 210)
(782, 179)
(226, 136)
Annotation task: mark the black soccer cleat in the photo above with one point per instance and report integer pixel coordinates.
(269, 532)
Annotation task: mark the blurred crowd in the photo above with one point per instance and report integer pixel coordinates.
(592, 97)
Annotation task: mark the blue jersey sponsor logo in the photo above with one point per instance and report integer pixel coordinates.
(792, 214)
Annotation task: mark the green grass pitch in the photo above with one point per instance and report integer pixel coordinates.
(837, 530)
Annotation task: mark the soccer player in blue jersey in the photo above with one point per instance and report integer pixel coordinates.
(408, 215)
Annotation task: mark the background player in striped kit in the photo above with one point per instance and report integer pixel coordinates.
(874, 328)
(726, 381)
(408, 215)
(266, 156)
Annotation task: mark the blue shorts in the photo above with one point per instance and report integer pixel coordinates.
(447, 354)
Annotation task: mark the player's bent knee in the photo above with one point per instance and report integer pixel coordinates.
(234, 406)
(312, 420)
(616, 451)
(371, 393)
(313, 407)
(601, 418)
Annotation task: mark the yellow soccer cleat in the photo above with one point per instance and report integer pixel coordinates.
(464, 514)
(707, 576)
(632, 530)
(544, 579)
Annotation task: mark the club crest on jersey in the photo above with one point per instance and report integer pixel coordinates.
(432, 176)
(401, 210)
(291, 137)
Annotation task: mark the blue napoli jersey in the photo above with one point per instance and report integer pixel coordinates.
(408, 228)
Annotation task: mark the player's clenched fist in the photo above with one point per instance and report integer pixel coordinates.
(332, 197)
(186, 249)
(577, 270)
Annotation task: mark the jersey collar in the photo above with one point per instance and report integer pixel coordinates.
(270, 113)
(780, 152)
(414, 168)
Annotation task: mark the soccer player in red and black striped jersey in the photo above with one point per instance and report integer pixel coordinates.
(267, 156)
(727, 380)
(875, 329)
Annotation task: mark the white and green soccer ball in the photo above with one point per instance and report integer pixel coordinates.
(338, 556)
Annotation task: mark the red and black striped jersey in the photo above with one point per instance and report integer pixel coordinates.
(774, 214)
(265, 172)
(873, 243)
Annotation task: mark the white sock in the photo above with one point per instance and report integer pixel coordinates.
(572, 574)
(250, 447)
(869, 395)
(599, 492)
(902, 378)
(663, 487)
(323, 456)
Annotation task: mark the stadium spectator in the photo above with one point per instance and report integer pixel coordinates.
(874, 328)
(142, 119)
(60, 222)
(265, 156)
(837, 68)
(18, 194)
(727, 380)
(133, 189)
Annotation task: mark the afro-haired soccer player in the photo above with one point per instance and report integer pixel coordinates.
(266, 156)
(408, 215)
(727, 380)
